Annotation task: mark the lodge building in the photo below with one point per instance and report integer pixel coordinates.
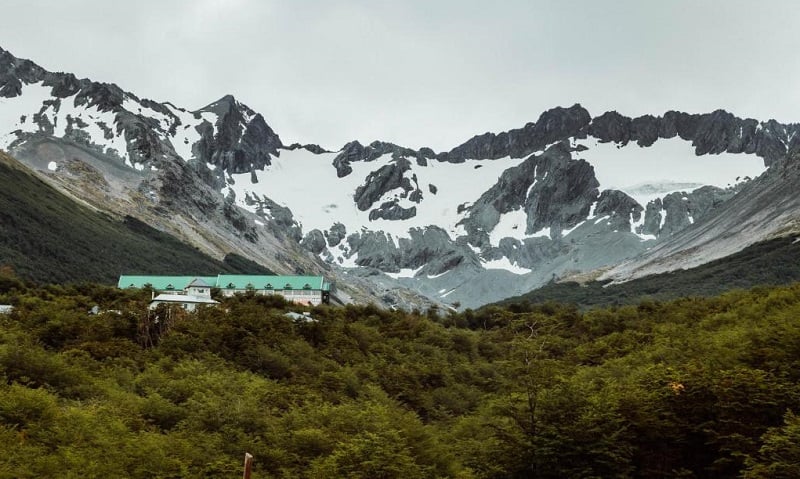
(191, 291)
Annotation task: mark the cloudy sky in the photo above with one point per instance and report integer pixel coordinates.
(424, 73)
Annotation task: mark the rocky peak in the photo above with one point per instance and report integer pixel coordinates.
(14, 71)
(553, 125)
(240, 141)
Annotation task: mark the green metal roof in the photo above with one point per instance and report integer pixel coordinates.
(239, 281)
(162, 283)
(242, 281)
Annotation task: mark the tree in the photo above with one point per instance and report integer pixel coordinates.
(779, 456)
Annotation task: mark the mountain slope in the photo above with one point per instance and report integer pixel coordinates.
(768, 263)
(48, 238)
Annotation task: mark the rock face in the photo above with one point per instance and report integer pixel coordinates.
(710, 133)
(241, 140)
(530, 210)
(552, 126)
(552, 189)
(622, 210)
(381, 181)
(677, 211)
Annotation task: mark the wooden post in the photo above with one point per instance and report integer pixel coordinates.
(248, 465)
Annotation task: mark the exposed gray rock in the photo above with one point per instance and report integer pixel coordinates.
(238, 146)
(381, 181)
(314, 241)
(390, 210)
(652, 218)
(710, 133)
(432, 249)
(554, 190)
(336, 234)
(553, 125)
(620, 208)
(316, 149)
(677, 211)
(355, 151)
(375, 250)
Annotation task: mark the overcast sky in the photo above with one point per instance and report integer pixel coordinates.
(424, 73)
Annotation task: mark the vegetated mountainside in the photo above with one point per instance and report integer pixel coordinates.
(496, 216)
(692, 388)
(767, 263)
(47, 237)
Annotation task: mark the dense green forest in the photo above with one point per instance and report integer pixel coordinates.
(690, 388)
(768, 263)
(49, 238)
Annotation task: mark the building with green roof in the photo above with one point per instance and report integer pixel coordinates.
(311, 290)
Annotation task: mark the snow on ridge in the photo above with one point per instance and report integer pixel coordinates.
(25, 105)
(186, 135)
(164, 121)
(100, 124)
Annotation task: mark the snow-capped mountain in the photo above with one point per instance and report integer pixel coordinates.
(496, 216)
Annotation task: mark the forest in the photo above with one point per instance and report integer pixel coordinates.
(695, 387)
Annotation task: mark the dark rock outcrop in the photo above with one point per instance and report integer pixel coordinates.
(620, 208)
(390, 210)
(355, 151)
(237, 145)
(553, 125)
(554, 190)
(710, 133)
(677, 211)
(314, 241)
(336, 234)
(379, 182)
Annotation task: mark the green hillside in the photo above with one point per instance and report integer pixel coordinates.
(773, 262)
(48, 238)
(691, 388)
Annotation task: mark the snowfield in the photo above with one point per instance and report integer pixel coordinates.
(629, 168)
(307, 184)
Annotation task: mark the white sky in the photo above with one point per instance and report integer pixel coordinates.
(424, 73)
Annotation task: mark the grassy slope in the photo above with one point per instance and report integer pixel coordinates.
(773, 262)
(48, 238)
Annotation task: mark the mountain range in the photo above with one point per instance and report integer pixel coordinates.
(570, 196)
